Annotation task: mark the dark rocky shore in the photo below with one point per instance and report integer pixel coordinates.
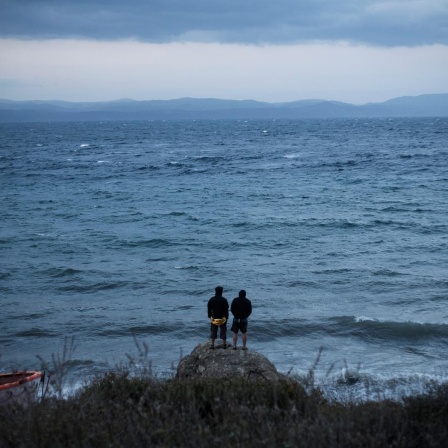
(227, 363)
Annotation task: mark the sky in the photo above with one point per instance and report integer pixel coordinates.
(356, 51)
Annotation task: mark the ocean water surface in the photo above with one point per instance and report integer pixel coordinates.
(117, 232)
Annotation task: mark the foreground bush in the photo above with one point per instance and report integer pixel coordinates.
(116, 411)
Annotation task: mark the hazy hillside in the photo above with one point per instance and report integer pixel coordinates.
(210, 108)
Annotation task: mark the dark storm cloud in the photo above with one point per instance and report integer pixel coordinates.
(375, 22)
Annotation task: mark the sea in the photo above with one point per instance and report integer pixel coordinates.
(114, 236)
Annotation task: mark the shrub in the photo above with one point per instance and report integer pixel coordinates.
(117, 410)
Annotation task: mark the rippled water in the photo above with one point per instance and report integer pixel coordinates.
(337, 229)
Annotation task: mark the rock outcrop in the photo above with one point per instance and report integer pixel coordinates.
(227, 363)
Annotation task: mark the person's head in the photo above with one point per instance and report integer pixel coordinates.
(219, 290)
(242, 294)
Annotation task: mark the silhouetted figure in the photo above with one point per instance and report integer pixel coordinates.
(241, 309)
(218, 312)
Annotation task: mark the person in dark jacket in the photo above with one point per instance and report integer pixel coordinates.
(241, 309)
(218, 313)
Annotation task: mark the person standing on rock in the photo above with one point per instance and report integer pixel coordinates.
(241, 309)
(218, 312)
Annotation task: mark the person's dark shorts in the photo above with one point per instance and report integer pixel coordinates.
(239, 324)
(214, 331)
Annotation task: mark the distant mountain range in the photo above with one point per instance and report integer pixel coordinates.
(435, 105)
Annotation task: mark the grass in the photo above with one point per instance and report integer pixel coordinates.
(129, 407)
(117, 410)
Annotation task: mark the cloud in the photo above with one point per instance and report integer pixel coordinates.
(6, 83)
(103, 70)
(371, 22)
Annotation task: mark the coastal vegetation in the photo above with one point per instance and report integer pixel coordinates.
(123, 410)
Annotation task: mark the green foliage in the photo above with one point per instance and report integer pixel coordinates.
(118, 410)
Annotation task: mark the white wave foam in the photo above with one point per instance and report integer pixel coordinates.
(372, 319)
(366, 319)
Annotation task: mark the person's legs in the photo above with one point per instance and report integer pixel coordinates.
(223, 334)
(244, 335)
(234, 339)
(213, 335)
(234, 329)
(244, 338)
